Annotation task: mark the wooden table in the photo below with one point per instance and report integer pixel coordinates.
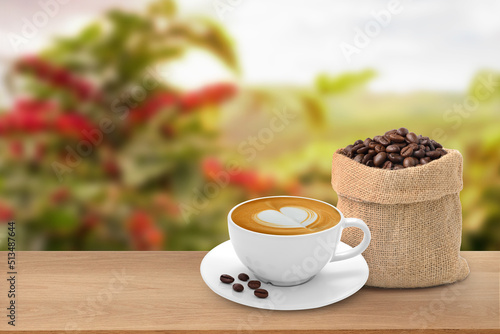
(160, 292)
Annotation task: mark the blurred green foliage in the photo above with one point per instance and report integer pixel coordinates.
(175, 164)
(344, 82)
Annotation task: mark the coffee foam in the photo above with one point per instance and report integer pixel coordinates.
(285, 215)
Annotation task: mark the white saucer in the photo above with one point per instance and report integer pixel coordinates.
(337, 281)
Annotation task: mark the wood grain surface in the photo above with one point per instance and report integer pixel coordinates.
(162, 292)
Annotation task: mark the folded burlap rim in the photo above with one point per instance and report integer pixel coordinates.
(429, 182)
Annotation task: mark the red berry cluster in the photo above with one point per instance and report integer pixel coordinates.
(31, 116)
(6, 213)
(58, 77)
(211, 94)
(151, 106)
(144, 233)
(250, 180)
(60, 195)
(72, 125)
(27, 116)
(187, 103)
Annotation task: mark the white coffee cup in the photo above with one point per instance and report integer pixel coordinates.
(286, 260)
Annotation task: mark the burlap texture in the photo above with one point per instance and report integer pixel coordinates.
(414, 216)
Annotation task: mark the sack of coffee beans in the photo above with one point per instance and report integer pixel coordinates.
(413, 211)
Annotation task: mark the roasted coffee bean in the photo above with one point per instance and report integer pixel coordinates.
(395, 138)
(379, 159)
(243, 277)
(412, 137)
(359, 158)
(384, 141)
(355, 148)
(363, 150)
(433, 154)
(409, 162)
(392, 149)
(238, 287)
(414, 146)
(367, 157)
(395, 158)
(261, 293)
(402, 132)
(379, 148)
(436, 144)
(387, 165)
(381, 140)
(347, 151)
(440, 150)
(419, 154)
(254, 284)
(406, 151)
(225, 278)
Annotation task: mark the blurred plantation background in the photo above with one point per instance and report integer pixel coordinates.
(102, 150)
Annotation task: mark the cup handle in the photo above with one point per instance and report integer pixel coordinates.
(355, 222)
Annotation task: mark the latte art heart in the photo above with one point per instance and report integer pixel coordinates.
(286, 217)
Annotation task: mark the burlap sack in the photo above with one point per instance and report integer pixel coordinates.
(414, 216)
